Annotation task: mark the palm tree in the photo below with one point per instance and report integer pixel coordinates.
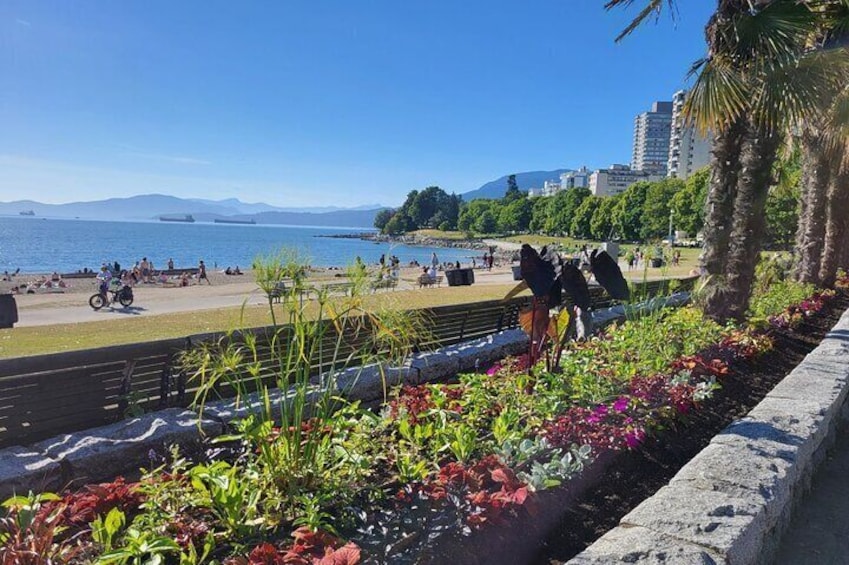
(759, 79)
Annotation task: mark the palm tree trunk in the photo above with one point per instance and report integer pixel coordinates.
(757, 156)
(836, 227)
(719, 209)
(811, 231)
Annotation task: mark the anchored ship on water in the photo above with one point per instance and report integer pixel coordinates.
(27, 213)
(231, 221)
(187, 218)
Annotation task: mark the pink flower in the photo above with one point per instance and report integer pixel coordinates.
(494, 369)
(621, 404)
(600, 410)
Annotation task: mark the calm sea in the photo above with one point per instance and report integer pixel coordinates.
(43, 245)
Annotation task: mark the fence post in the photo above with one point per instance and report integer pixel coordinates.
(181, 379)
(126, 387)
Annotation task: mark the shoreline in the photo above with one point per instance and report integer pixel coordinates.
(503, 250)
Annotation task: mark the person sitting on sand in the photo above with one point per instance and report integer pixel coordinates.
(228, 271)
(184, 279)
(55, 277)
(236, 271)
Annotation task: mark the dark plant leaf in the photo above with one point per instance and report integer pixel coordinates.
(609, 275)
(537, 272)
(575, 285)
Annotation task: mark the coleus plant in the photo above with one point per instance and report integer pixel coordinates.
(549, 277)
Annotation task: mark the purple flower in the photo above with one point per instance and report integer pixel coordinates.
(600, 410)
(621, 404)
(494, 369)
(634, 438)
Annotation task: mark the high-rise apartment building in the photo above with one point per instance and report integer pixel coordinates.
(616, 179)
(688, 151)
(651, 139)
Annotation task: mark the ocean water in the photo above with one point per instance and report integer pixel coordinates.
(43, 245)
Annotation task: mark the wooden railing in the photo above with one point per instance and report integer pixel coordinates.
(45, 395)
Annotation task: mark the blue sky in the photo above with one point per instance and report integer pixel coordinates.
(300, 103)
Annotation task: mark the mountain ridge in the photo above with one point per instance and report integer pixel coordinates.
(153, 206)
(526, 181)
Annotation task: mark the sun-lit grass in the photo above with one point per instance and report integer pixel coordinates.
(438, 234)
(67, 337)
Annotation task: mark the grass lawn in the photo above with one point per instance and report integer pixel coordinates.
(38, 340)
(438, 234)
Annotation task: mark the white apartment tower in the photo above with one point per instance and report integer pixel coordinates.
(688, 151)
(651, 139)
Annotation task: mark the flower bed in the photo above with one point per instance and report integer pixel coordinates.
(438, 458)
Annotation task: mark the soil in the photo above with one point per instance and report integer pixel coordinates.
(638, 475)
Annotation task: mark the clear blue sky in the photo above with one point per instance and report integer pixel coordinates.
(320, 103)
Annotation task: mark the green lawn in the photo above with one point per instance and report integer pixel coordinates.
(22, 341)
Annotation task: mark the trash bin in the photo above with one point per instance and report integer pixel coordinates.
(454, 277)
(517, 272)
(656, 262)
(468, 277)
(8, 311)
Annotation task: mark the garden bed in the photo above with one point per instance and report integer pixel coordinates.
(471, 472)
(639, 474)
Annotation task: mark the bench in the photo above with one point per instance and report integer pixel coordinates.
(427, 280)
(384, 283)
(343, 287)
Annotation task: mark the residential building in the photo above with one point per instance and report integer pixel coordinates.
(550, 188)
(688, 151)
(651, 139)
(575, 179)
(534, 192)
(616, 178)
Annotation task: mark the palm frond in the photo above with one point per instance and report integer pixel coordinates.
(792, 90)
(779, 29)
(719, 96)
(651, 8)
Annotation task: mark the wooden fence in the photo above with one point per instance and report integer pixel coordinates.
(45, 395)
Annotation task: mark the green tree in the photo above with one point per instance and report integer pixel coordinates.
(382, 218)
(486, 223)
(628, 216)
(399, 223)
(688, 204)
(515, 215)
(513, 192)
(655, 220)
(582, 220)
(562, 208)
(539, 214)
(601, 224)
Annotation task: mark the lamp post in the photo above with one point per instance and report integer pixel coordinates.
(671, 233)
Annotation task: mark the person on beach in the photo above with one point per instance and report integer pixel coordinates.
(434, 261)
(170, 264)
(145, 270)
(104, 277)
(202, 273)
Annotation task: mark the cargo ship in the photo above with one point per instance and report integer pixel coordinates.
(27, 213)
(250, 222)
(188, 218)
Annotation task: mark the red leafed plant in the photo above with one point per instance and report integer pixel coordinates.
(81, 507)
(310, 548)
(490, 487)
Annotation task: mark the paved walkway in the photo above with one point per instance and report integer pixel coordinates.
(819, 532)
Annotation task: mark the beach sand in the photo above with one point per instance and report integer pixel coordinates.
(46, 307)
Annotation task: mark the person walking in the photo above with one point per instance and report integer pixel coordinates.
(202, 273)
(170, 264)
(434, 260)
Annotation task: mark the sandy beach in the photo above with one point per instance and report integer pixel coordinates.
(70, 304)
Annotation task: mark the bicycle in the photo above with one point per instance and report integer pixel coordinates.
(123, 295)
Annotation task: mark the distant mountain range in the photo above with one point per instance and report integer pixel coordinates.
(152, 206)
(526, 181)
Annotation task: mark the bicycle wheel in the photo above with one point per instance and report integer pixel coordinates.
(97, 301)
(125, 301)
